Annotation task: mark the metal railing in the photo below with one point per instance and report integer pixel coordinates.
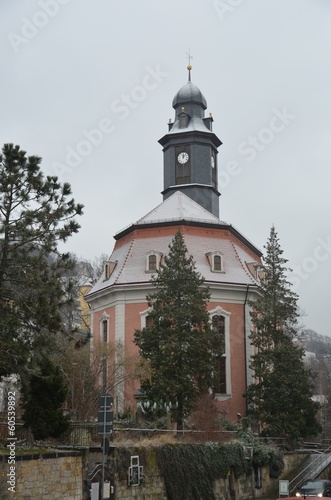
(78, 434)
(86, 434)
(313, 469)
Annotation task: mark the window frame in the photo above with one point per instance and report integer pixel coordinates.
(104, 341)
(211, 259)
(143, 316)
(158, 257)
(182, 170)
(224, 359)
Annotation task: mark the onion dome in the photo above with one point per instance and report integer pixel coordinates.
(189, 93)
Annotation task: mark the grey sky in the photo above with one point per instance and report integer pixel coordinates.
(70, 66)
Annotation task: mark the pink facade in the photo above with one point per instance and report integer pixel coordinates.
(121, 298)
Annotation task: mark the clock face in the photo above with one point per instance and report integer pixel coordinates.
(213, 162)
(182, 157)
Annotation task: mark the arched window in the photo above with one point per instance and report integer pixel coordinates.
(152, 262)
(149, 322)
(103, 351)
(218, 324)
(104, 330)
(216, 262)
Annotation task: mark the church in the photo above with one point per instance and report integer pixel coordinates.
(229, 263)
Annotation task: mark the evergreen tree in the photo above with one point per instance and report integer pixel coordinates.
(44, 396)
(281, 397)
(36, 213)
(178, 342)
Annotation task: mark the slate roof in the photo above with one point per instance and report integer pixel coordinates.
(179, 207)
(195, 124)
(189, 93)
(130, 253)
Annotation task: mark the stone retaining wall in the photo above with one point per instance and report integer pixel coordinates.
(43, 476)
(61, 475)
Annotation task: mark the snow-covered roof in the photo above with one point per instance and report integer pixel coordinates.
(134, 244)
(195, 124)
(130, 258)
(179, 207)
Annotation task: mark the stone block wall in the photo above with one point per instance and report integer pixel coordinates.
(44, 476)
(292, 460)
(61, 475)
(153, 489)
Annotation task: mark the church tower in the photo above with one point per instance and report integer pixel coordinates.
(190, 150)
(228, 262)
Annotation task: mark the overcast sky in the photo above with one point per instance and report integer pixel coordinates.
(88, 86)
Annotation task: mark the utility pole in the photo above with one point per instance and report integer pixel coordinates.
(105, 427)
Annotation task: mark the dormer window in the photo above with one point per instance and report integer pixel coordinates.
(183, 120)
(256, 270)
(216, 262)
(153, 261)
(109, 268)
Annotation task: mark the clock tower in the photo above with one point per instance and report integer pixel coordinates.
(190, 150)
(229, 263)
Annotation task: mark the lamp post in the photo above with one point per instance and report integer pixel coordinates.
(148, 406)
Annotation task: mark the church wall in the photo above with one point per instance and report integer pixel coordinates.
(125, 316)
(131, 319)
(125, 302)
(132, 322)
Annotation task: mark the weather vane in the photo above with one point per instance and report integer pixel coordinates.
(189, 66)
(189, 57)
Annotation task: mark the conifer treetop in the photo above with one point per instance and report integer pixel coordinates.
(179, 345)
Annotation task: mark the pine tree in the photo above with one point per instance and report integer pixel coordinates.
(179, 343)
(281, 397)
(36, 213)
(44, 396)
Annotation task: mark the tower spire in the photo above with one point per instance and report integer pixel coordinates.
(189, 66)
(190, 149)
